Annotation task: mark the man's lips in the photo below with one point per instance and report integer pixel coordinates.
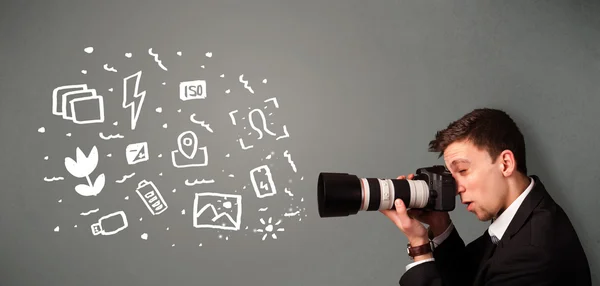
(468, 204)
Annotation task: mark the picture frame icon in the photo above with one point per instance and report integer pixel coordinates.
(187, 154)
(217, 211)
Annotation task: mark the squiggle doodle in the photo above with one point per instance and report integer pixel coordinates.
(288, 156)
(53, 179)
(245, 82)
(110, 69)
(110, 136)
(159, 62)
(288, 192)
(196, 182)
(291, 214)
(89, 212)
(207, 126)
(125, 178)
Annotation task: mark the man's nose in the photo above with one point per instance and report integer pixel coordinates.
(460, 190)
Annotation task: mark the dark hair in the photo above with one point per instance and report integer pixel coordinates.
(490, 129)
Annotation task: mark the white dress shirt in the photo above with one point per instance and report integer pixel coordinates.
(497, 228)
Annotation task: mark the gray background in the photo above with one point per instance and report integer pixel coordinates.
(362, 88)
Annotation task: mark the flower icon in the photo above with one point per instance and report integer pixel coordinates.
(269, 229)
(83, 166)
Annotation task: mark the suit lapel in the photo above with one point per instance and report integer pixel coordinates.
(531, 201)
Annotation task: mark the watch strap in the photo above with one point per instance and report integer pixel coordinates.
(420, 249)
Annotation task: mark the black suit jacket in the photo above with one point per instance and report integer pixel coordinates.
(540, 247)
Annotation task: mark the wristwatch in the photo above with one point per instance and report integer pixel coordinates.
(419, 250)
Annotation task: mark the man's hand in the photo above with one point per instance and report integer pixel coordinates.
(409, 221)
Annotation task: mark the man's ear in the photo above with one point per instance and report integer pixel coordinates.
(507, 163)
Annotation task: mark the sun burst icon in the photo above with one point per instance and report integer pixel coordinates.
(269, 228)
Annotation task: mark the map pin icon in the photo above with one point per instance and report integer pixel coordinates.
(187, 143)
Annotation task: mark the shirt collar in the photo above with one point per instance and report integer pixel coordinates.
(500, 224)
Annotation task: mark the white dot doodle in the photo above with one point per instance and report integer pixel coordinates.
(89, 50)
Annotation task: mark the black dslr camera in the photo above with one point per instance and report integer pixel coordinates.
(342, 194)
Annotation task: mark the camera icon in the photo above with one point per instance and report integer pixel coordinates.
(187, 154)
(195, 89)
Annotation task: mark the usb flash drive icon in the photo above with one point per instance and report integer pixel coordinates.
(110, 224)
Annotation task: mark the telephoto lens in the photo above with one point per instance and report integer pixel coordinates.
(343, 194)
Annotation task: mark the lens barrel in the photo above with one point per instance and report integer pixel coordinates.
(342, 194)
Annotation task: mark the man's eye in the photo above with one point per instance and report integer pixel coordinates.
(462, 171)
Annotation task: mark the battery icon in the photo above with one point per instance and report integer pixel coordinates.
(151, 197)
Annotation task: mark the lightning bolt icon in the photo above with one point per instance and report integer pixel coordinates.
(132, 97)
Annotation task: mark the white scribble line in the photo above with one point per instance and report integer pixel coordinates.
(245, 82)
(159, 62)
(291, 214)
(288, 156)
(243, 146)
(207, 126)
(125, 178)
(110, 69)
(288, 192)
(274, 100)
(89, 212)
(110, 136)
(53, 179)
(232, 117)
(196, 182)
(283, 136)
(263, 209)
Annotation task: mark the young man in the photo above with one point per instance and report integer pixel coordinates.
(530, 241)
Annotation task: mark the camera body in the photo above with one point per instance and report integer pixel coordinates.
(342, 194)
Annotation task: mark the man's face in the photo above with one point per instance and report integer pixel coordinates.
(480, 182)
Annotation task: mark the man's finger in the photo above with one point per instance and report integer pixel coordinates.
(402, 215)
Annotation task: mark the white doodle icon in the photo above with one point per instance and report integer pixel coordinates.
(195, 89)
(82, 167)
(132, 97)
(78, 104)
(270, 228)
(151, 197)
(258, 122)
(136, 152)
(187, 154)
(218, 211)
(110, 224)
(262, 181)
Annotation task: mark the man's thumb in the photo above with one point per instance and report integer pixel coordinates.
(401, 210)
